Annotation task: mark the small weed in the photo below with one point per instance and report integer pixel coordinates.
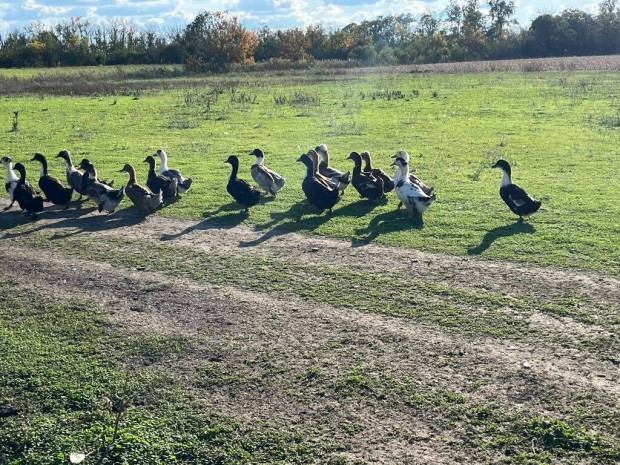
(15, 121)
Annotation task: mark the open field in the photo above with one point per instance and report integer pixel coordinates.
(286, 336)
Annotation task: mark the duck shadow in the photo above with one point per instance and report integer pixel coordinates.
(501, 231)
(297, 222)
(82, 221)
(228, 221)
(384, 223)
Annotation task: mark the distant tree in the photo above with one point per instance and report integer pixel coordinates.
(472, 30)
(454, 17)
(268, 45)
(428, 24)
(608, 20)
(317, 41)
(215, 40)
(501, 14)
(293, 44)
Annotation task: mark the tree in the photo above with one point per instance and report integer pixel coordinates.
(500, 13)
(454, 17)
(215, 40)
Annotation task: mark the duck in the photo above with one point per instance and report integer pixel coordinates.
(366, 184)
(183, 184)
(409, 193)
(266, 178)
(388, 182)
(335, 175)
(519, 201)
(240, 189)
(27, 197)
(412, 177)
(103, 195)
(11, 179)
(317, 191)
(54, 191)
(142, 197)
(74, 177)
(329, 183)
(157, 182)
(93, 173)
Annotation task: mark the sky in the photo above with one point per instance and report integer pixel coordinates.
(169, 14)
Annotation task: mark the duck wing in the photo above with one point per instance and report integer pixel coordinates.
(54, 191)
(261, 176)
(171, 173)
(75, 180)
(519, 201)
(388, 183)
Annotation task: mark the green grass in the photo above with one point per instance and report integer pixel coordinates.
(65, 377)
(551, 126)
(470, 311)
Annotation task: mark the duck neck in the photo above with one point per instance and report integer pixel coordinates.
(233, 173)
(164, 163)
(22, 177)
(310, 170)
(43, 170)
(367, 164)
(357, 166)
(10, 174)
(259, 161)
(401, 174)
(132, 176)
(506, 180)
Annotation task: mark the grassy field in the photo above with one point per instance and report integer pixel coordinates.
(201, 335)
(559, 130)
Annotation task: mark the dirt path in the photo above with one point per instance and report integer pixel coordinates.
(255, 354)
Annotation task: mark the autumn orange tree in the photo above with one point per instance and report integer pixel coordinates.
(215, 40)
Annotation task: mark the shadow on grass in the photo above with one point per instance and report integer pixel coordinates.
(278, 226)
(501, 231)
(388, 222)
(79, 219)
(227, 221)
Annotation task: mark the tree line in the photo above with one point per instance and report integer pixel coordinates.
(216, 40)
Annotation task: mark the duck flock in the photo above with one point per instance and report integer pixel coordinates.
(323, 185)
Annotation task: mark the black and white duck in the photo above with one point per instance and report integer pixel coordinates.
(11, 179)
(519, 201)
(317, 191)
(103, 195)
(266, 178)
(54, 191)
(74, 177)
(183, 184)
(25, 195)
(404, 155)
(157, 182)
(240, 189)
(409, 193)
(344, 179)
(329, 183)
(388, 182)
(142, 197)
(366, 184)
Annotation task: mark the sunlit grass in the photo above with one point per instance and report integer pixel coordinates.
(549, 125)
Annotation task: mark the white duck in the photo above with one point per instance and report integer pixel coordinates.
(183, 183)
(410, 194)
(404, 155)
(266, 178)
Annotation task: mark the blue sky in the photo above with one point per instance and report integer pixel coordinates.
(168, 14)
